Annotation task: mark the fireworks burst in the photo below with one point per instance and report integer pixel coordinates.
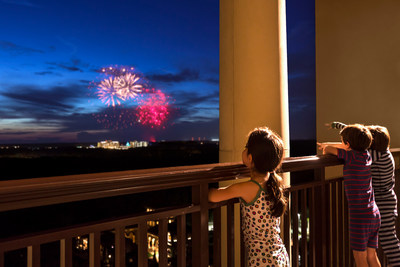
(153, 110)
(128, 102)
(120, 85)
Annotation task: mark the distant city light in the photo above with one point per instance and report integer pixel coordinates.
(109, 144)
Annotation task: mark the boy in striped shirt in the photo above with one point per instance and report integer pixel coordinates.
(383, 180)
(364, 214)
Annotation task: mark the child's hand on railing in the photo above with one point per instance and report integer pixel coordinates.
(321, 146)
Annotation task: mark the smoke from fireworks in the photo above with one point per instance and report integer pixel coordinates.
(153, 110)
(116, 118)
(120, 85)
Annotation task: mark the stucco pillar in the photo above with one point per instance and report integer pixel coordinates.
(253, 72)
(253, 77)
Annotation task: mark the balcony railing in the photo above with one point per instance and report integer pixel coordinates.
(314, 228)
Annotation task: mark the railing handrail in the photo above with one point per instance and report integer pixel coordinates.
(28, 193)
(321, 195)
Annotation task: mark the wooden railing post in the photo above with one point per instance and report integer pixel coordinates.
(163, 242)
(341, 212)
(143, 259)
(200, 242)
(34, 256)
(312, 212)
(181, 246)
(94, 249)
(334, 224)
(120, 252)
(320, 218)
(217, 237)
(66, 252)
(304, 226)
(286, 228)
(295, 225)
(230, 236)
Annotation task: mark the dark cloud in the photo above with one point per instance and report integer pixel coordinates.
(30, 98)
(193, 106)
(96, 70)
(73, 66)
(43, 73)
(65, 66)
(184, 75)
(183, 99)
(212, 80)
(15, 49)
(85, 81)
(15, 133)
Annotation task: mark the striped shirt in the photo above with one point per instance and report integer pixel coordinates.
(358, 183)
(338, 125)
(383, 180)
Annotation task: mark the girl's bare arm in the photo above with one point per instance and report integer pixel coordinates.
(246, 190)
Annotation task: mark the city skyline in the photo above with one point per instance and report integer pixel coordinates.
(53, 54)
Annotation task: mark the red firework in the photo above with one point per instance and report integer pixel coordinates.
(153, 109)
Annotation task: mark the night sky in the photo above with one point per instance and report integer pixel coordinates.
(53, 53)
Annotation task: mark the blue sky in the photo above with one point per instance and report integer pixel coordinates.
(52, 52)
(300, 16)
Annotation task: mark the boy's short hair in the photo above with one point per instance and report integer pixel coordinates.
(380, 137)
(357, 136)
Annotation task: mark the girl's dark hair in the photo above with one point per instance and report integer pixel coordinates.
(266, 149)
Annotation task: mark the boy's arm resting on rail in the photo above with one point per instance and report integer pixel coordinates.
(331, 150)
(331, 147)
(333, 144)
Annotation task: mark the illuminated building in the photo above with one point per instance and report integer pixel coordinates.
(108, 144)
(135, 143)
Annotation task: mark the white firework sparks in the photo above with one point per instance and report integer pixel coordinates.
(115, 89)
(107, 92)
(127, 86)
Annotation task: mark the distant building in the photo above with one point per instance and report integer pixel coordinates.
(108, 144)
(134, 144)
